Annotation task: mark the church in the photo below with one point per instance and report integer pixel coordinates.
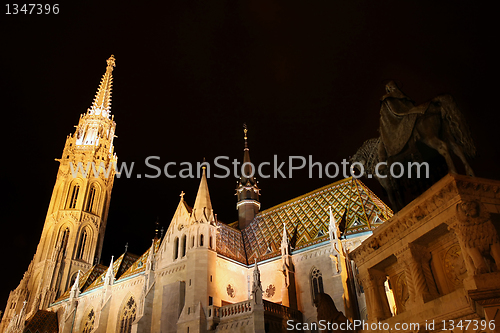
(261, 273)
(336, 252)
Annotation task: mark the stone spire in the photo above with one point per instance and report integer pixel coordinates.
(75, 289)
(247, 190)
(288, 290)
(102, 100)
(110, 275)
(202, 210)
(256, 285)
(285, 244)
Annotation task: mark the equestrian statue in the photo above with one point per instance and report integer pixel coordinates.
(438, 124)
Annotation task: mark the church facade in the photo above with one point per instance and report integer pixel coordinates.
(254, 275)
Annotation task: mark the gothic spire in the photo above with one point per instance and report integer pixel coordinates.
(102, 100)
(247, 190)
(75, 289)
(203, 205)
(110, 275)
(247, 178)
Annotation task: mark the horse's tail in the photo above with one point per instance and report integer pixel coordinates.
(457, 125)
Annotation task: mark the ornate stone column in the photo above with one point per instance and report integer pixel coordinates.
(420, 282)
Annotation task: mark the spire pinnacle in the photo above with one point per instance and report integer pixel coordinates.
(102, 100)
(245, 131)
(110, 275)
(203, 205)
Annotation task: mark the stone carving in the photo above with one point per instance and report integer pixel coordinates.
(402, 292)
(477, 237)
(230, 291)
(271, 289)
(454, 265)
(328, 313)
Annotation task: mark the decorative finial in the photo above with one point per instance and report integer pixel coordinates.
(126, 247)
(157, 229)
(162, 231)
(111, 61)
(182, 195)
(245, 130)
(203, 164)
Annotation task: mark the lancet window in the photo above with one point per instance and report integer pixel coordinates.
(81, 245)
(127, 315)
(91, 200)
(88, 322)
(73, 197)
(316, 282)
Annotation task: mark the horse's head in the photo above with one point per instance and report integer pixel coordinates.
(367, 156)
(358, 159)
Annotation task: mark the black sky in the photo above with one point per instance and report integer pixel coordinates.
(306, 76)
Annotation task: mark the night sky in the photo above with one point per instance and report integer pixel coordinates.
(306, 77)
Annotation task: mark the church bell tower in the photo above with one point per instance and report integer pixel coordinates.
(73, 232)
(247, 190)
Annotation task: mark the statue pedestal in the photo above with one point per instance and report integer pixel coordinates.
(429, 255)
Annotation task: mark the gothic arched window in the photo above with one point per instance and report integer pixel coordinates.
(81, 245)
(127, 315)
(64, 240)
(88, 322)
(183, 252)
(176, 248)
(73, 197)
(316, 283)
(201, 240)
(91, 200)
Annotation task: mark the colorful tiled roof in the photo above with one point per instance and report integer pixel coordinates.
(86, 279)
(120, 266)
(306, 219)
(230, 242)
(140, 264)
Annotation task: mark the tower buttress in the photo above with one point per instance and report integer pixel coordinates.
(247, 190)
(73, 233)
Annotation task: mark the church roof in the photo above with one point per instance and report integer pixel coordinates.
(140, 264)
(87, 279)
(120, 266)
(306, 219)
(127, 264)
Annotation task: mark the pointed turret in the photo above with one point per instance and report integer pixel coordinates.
(247, 190)
(75, 289)
(102, 100)
(110, 275)
(256, 284)
(202, 210)
(285, 244)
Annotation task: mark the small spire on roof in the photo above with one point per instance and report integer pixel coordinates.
(126, 247)
(75, 289)
(157, 227)
(245, 130)
(110, 275)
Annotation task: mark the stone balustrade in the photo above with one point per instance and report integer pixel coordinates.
(281, 311)
(244, 307)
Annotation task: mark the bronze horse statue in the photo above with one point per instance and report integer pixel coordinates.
(438, 124)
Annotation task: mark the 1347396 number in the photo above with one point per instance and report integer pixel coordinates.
(31, 8)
